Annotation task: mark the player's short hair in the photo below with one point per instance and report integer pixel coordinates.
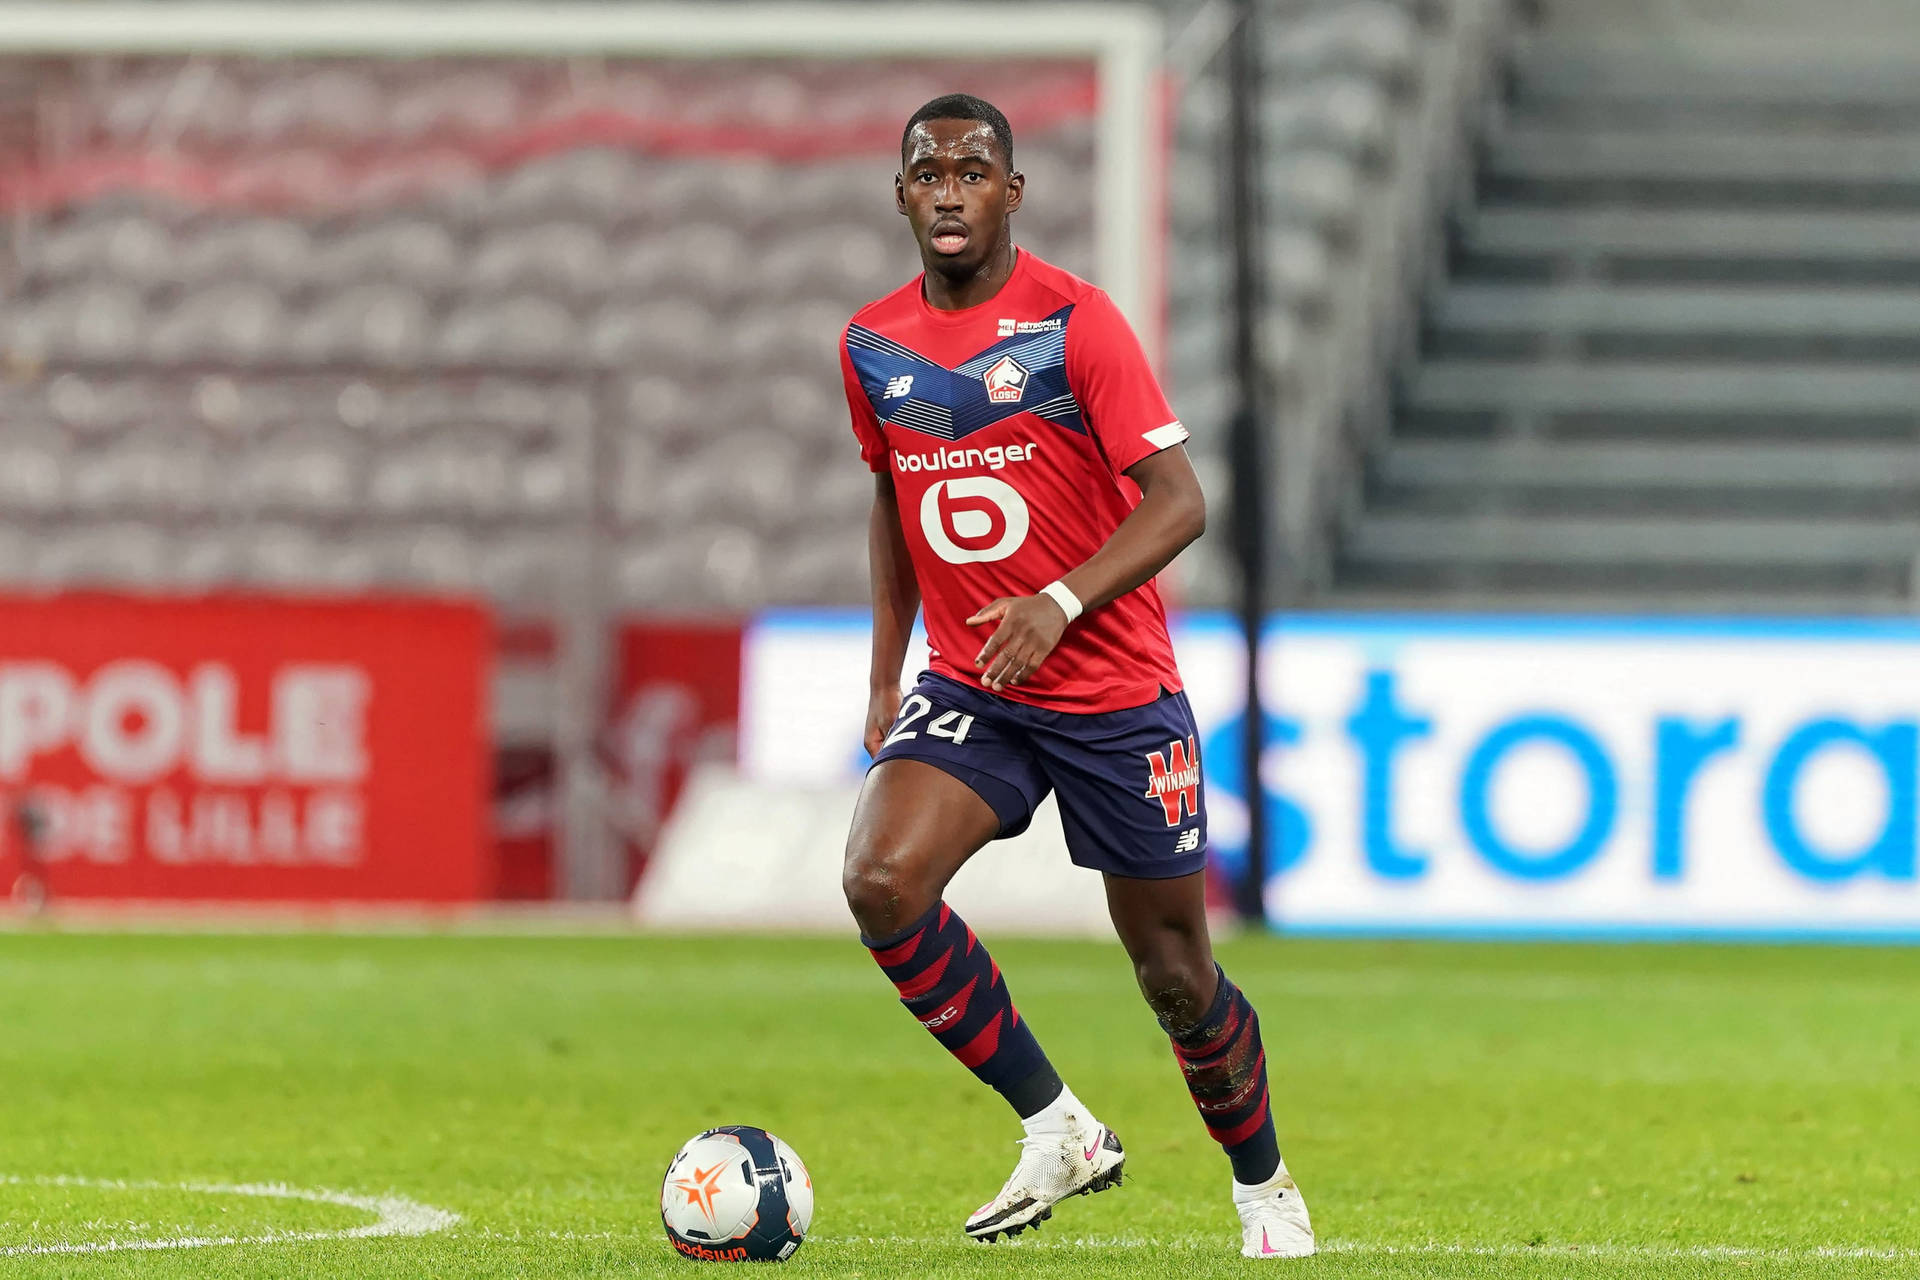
(963, 106)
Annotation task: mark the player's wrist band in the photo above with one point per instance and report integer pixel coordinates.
(1061, 595)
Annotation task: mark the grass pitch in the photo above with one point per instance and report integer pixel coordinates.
(1449, 1110)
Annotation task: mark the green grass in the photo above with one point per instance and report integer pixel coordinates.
(1449, 1110)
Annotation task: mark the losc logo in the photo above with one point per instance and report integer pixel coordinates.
(973, 519)
(1006, 381)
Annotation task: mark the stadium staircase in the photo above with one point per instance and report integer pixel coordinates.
(1674, 363)
(1365, 124)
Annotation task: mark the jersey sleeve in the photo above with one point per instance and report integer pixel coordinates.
(1118, 394)
(866, 427)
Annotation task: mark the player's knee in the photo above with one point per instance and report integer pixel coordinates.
(1174, 987)
(875, 892)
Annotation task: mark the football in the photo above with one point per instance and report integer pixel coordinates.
(736, 1194)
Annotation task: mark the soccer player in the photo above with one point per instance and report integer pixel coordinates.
(1009, 418)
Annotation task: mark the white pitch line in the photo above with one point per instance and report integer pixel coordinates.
(393, 1215)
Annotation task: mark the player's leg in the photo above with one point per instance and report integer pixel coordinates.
(1216, 1039)
(1133, 808)
(915, 826)
(931, 801)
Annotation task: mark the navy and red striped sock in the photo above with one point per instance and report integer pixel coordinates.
(1226, 1070)
(949, 982)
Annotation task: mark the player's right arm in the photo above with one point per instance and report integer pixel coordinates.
(896, 592)
(896, 599)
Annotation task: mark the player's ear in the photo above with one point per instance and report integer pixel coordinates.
(900, 192)
(1016, 187)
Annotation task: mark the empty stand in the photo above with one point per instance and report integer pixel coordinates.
(336, 323)
(1674, 364)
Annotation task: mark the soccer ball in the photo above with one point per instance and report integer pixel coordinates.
(736, 1194)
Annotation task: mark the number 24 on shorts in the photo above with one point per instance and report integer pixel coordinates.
(949, 724)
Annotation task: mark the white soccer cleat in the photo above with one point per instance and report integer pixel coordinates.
(1273, 1219)
(1084, 1159)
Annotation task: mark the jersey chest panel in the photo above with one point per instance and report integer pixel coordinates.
(1024, 371)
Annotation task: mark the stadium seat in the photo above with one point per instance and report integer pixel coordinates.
(243, 323)
(563, 257)
(476, 102)
(447, 476)
(419, 251)
(33, 472)
(98, 323)
(828, 568)
(522, 331)
(1369, 37)
(1348, 115)
(103, 555)
(632, 486)
(693, 259)
(1314, 189)
(155, 470)
(202, 562)
(98, 407)
(524, 571)
(544, 486)
(434, 557)
(272, 249)
(839, 491)
(802, 406)
(121, 244)
(371, 324)
(665, 334)
(311, 474)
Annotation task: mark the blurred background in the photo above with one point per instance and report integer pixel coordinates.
(424, 475)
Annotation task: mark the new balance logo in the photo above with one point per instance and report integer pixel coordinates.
(897, 387)
(1174, 780)
(1189, 841)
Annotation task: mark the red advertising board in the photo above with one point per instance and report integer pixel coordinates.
(677, 705)
(245, 748)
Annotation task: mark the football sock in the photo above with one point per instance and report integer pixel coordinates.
(949, 982)
(1055, 1117)
(1244, 1194)
(1226, 1070)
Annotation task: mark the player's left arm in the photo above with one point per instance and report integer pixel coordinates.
(1128, 416)
(1171, 514)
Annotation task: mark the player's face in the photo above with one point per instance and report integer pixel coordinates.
(956, 191)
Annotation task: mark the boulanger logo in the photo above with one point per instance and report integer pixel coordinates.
(973, 519)
(993, 457)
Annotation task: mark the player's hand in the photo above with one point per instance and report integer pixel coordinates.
(1029, 628)
(883, 708)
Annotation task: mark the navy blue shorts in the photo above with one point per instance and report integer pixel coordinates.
(1128, 781)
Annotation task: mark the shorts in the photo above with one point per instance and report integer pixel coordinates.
(1128, 782)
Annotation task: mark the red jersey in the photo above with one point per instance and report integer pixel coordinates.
(1007, 427)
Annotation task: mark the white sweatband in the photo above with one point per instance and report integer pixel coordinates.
(1064, 597)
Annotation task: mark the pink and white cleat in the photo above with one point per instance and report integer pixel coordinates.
(1087, 1157)
(1273, 1219)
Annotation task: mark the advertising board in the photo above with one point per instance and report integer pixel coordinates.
(245, 748)
(1508, 775)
